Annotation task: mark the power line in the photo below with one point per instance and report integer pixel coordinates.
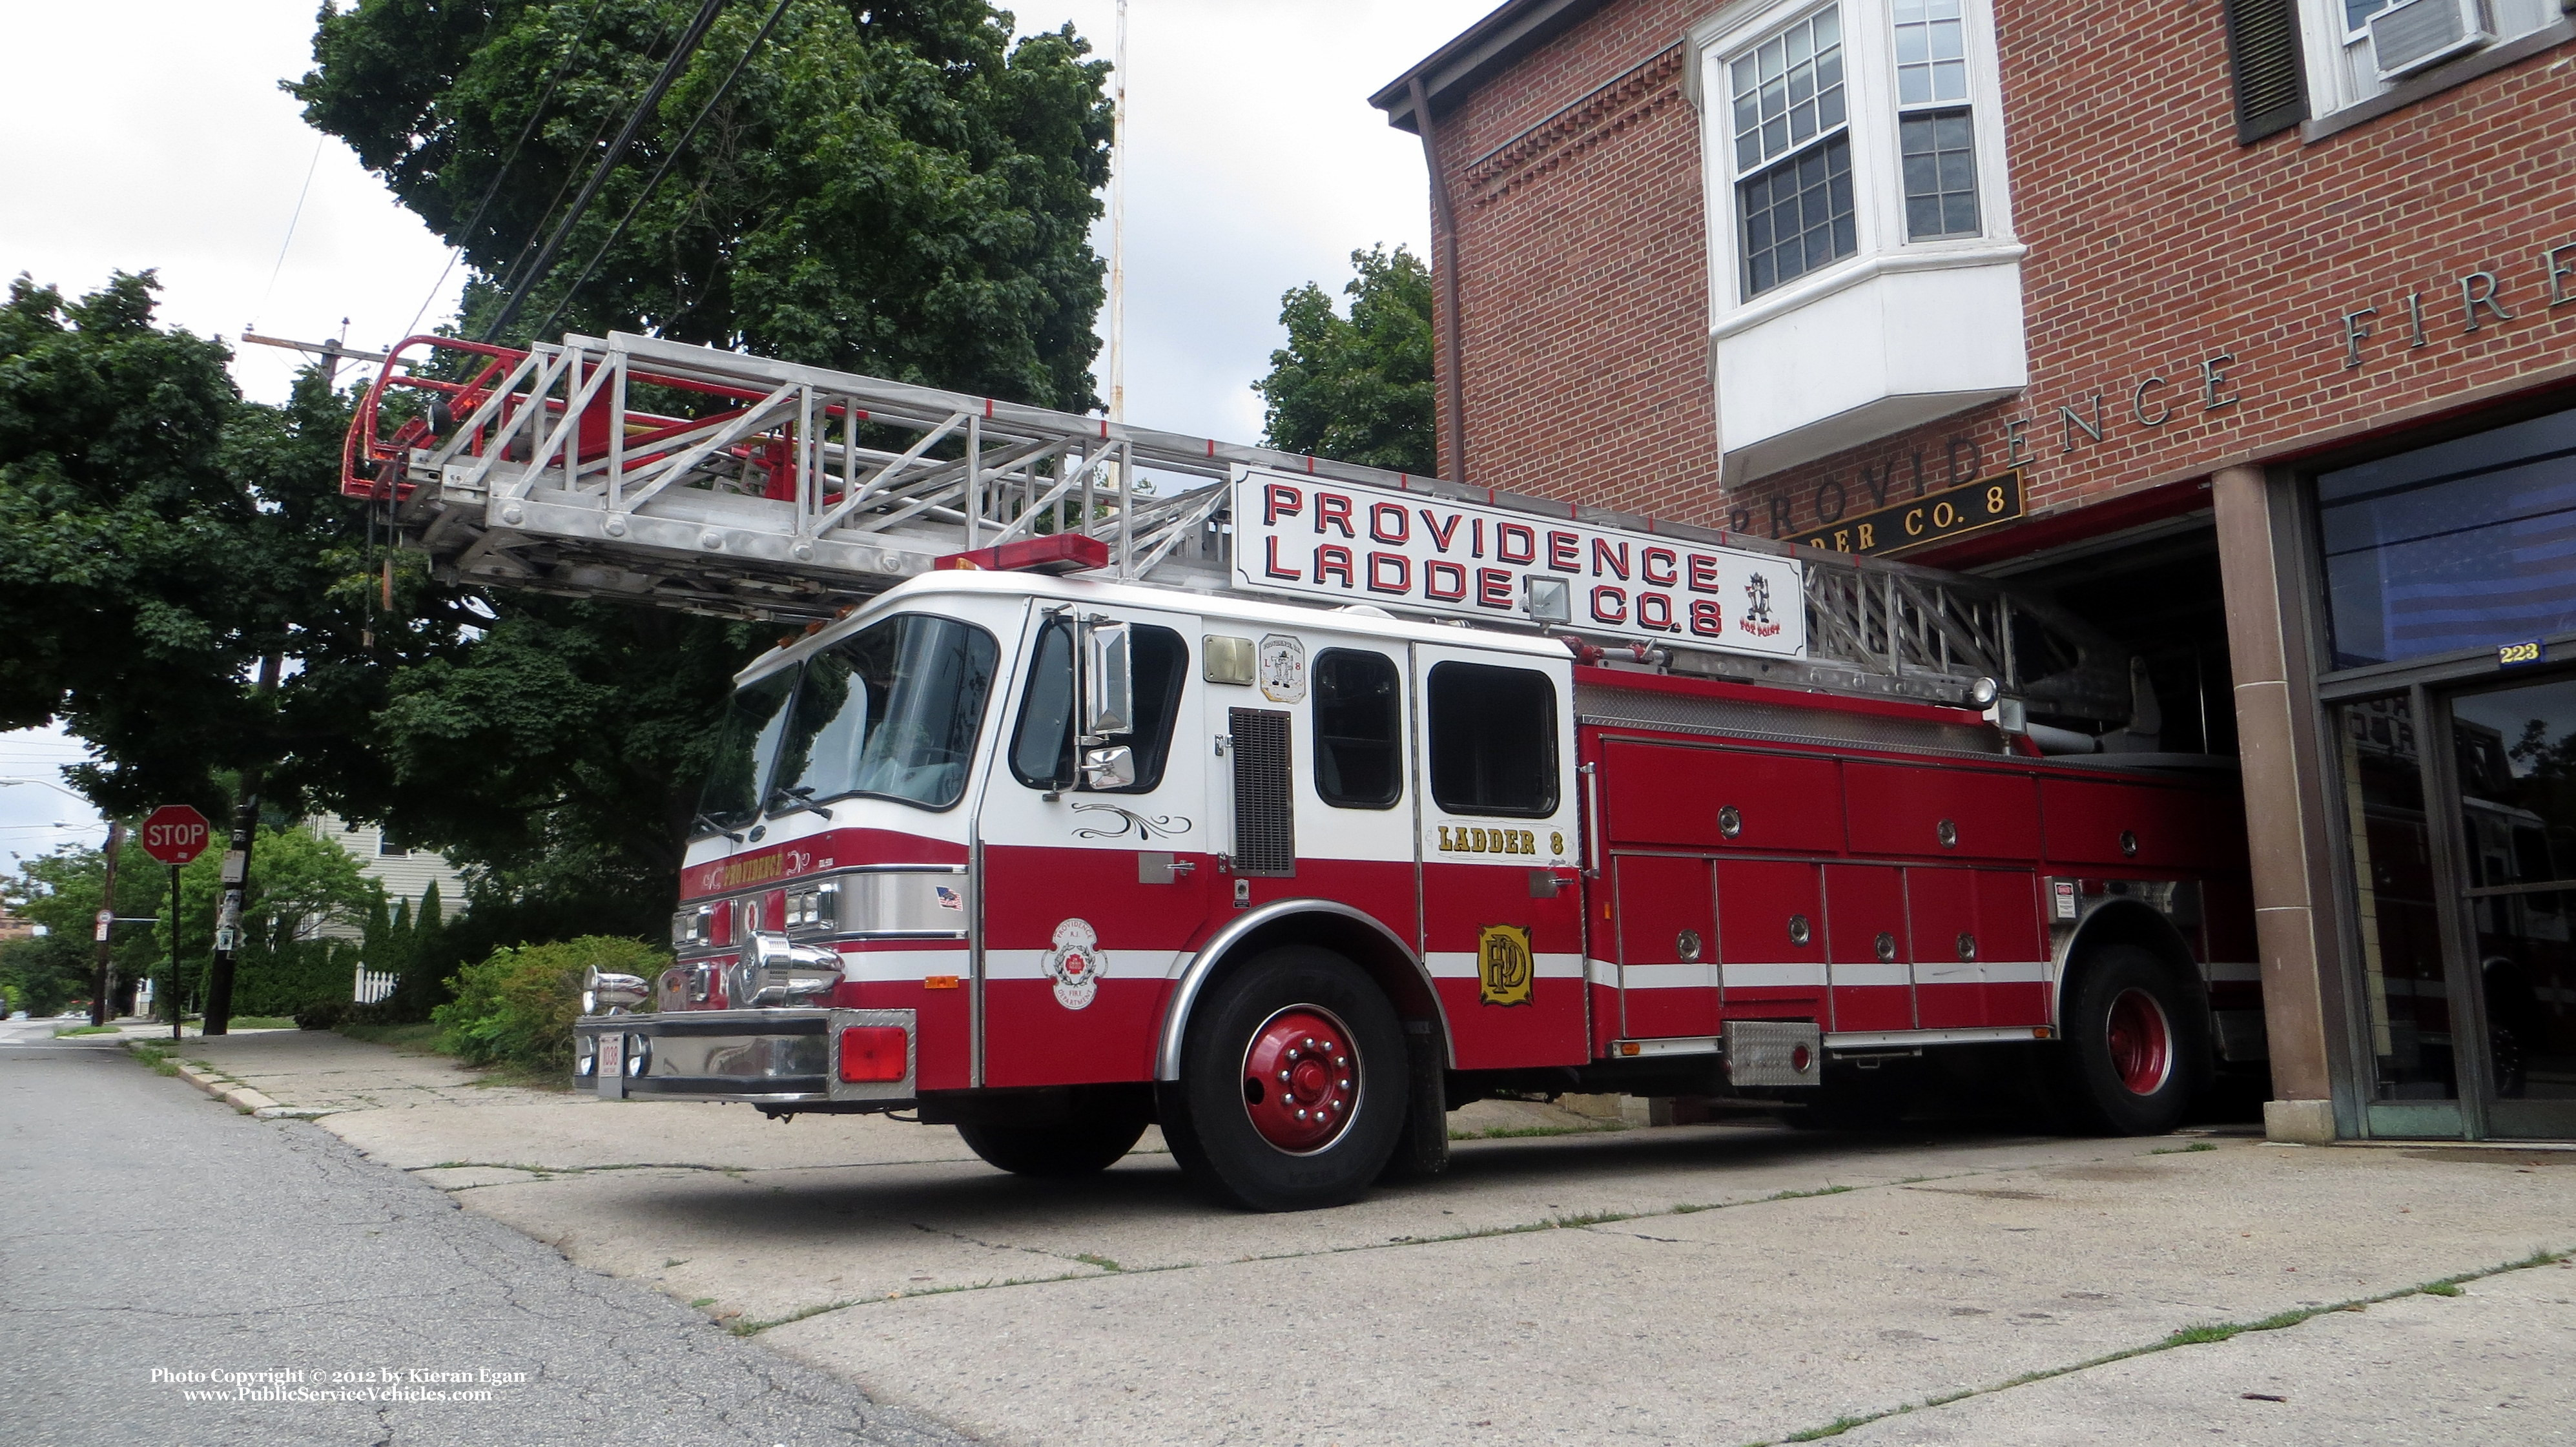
(644, 108)
(301, 192)
(571, 53)
(507, 280)
(663, 169)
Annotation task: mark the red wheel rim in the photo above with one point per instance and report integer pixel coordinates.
(1301, 1079)
(2141, 1042)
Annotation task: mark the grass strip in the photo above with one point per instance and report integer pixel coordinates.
(2200, 1335)
(156, 1056)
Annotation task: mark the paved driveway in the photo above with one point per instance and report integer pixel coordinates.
(1705, 1284)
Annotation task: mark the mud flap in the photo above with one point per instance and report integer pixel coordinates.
(1423, 1150)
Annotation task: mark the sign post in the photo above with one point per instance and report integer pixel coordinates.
(175, 834)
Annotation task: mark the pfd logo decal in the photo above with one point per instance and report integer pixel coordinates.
(1075, 964)
(1505, 972)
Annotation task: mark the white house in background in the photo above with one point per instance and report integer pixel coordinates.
(405, 873)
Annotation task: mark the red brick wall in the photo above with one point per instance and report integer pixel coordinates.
(2156, 242)
(1584, 294)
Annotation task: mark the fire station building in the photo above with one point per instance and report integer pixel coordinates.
(2244, 328)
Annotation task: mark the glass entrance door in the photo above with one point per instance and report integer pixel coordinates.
(2464, 882)
(2513, 768)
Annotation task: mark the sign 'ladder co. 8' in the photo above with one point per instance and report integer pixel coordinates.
(722, 483)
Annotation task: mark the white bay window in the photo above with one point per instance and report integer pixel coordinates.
(1864, 277)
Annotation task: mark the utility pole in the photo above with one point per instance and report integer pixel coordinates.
(1118, 223)
(236, 880)
(103, 979)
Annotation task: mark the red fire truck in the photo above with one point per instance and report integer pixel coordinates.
(1116, 778)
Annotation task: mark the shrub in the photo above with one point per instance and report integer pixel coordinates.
(517, 1006)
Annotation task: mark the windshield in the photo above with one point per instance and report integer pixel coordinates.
(744, 751)
(891, 711)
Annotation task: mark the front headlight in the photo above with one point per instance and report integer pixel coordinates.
(815, 907)
(692, 925)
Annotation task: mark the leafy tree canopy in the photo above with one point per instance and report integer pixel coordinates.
(892, 189)
(159, 538)
(1357, 388)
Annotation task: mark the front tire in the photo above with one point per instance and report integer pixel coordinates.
(1292, 1089)
(1055, 1152)
(2136, 1045)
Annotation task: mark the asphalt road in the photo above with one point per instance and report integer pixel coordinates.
(155, 1244)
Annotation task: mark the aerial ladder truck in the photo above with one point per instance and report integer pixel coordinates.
(1107, 777)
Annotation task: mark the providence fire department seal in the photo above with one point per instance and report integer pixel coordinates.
(1075, 964)
(1505, 971)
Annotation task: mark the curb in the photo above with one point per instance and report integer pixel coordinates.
(242, 1098)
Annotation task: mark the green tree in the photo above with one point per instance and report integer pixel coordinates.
(893, 189)
(160, 539)
(62, 891)
(300, 887)
(1357, 388)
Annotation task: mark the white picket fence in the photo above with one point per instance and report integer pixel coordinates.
(373, 985)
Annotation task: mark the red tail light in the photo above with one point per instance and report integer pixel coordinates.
(874, 1052)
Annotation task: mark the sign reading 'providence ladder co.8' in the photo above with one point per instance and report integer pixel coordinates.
(1350, 543)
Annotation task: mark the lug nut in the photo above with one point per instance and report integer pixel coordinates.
(1283, 1077)
(1346, 1082)
(1292, 1053)
(1341, 1062)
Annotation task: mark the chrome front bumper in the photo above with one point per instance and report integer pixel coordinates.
(763, 1057)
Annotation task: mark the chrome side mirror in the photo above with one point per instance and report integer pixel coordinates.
(1108, 680)
(1110, 768)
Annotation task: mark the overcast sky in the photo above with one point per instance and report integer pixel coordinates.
(1255, 163)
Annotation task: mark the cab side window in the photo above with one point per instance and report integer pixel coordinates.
(1042, 745)
(1492, 740)
(1359, 724)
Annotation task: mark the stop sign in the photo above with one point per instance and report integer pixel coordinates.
(175, 834)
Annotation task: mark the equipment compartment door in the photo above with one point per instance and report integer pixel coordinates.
(1092, 895)
(1667, 933)
(1866, 944)
(1771, 939)
(1949, 981)
(1502, 853)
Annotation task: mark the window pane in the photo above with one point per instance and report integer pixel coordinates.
(1788, 90)
(1042, 746)
(1931, 46)
(1358, 730)
(2467, 544)
(1798, 216)
(2516, 765)
(1940, 175)
(1493, 740)
(893, 712)
(744, 750)
(2400, 940)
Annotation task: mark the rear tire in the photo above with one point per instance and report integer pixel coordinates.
(1322, 1135)
(2136, 1046)
(1055, 1152)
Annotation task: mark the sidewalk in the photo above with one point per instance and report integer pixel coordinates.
(1707, 1284)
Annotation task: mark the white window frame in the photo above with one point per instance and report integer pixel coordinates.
(1869, 81)
(2338, 57)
